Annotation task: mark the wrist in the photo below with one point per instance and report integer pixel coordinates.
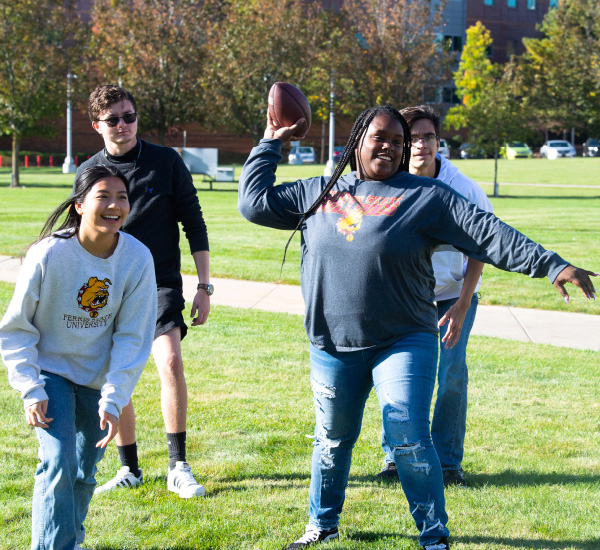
(207, 287)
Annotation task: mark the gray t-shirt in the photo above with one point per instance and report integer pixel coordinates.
(366, 274)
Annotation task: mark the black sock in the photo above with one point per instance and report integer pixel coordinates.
(129, 457)
(176, 443)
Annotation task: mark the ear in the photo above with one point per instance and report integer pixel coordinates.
(96, 126)
(78, 208)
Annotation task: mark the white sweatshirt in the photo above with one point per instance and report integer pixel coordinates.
(449, 265)
(88, 319)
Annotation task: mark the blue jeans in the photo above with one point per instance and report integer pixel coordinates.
(403, 375)
(449, 422)
(64, 479)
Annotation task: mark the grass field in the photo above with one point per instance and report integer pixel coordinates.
(564, 219)
(532, 452)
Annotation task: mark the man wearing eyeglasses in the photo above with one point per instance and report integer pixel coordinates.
(457, 281)
(161, 194)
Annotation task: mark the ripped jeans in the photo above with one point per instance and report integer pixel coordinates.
(403, 375)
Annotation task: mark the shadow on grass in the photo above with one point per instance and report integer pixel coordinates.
(509, 478)
(542, 544)
(544, 197)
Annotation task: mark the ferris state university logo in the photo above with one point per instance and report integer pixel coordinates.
(353, 208)
(93, 296)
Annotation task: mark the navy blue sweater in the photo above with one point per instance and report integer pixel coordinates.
(366, 252)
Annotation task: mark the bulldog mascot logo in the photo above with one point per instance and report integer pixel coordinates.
(93, 296)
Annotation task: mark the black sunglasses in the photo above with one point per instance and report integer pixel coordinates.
(112, 121)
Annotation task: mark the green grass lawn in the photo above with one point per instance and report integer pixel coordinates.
(565, 219)
(532, 459)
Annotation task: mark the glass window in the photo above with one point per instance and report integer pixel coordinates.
(511, 3)
(531, 4)
(553, 3)
(488, 2)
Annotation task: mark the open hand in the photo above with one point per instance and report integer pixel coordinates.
(579, 277)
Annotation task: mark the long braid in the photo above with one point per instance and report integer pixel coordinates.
(348, 156)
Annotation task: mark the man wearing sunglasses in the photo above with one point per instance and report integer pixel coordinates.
(161, 194)
(457, 281)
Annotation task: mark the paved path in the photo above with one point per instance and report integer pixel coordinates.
(573, 330)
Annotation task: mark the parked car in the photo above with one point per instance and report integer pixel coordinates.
(302, 155)
(444, 150)
(516, 150)
(591, 147)
(337, 151)
(471, 151)
(556, 148)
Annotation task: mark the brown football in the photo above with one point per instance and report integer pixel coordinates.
(287, 104)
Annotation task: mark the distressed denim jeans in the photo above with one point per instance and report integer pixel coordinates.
(403, 375)
(449, 423)
(64, 479)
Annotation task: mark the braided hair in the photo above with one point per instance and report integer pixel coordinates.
(348, 155)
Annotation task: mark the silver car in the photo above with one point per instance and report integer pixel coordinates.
(557, 148)
(444, 150)
(302, 155)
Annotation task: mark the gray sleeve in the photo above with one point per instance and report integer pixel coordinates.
(259, 200)
(131, 341)
(484, 237)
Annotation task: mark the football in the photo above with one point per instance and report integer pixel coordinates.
(287, 104)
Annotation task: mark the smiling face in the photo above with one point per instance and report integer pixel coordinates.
(121, 138)
(425, 144)
(103, 210)
(379, 154)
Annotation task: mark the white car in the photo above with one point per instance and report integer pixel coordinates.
(444, 150)
(556, 148)
(302, 155)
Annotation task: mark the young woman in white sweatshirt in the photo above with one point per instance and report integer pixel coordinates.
(75, 339)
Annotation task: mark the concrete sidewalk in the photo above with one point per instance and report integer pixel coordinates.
(572, 330)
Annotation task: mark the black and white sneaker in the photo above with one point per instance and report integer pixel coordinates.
(314, 535)
(389, 472)
(454, 477)
(123, 480)
(441, 544)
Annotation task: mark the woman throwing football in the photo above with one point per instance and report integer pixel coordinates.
(368, 285)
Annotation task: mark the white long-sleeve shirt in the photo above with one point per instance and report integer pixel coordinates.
(88, 319)
(450, 265)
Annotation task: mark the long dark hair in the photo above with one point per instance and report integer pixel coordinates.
(84, 181)
(348, 156)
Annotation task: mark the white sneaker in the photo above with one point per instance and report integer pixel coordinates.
(123, 480)
(180, 480)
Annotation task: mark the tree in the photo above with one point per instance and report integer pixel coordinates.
(33, 67)
(156, 48)
(391, 53)
(561, 70)
(253, 44)
(491, 109)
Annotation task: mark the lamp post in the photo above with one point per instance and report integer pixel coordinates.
(329, 167)
(68, 166)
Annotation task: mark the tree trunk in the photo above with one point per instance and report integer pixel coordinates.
(496, 194)
(16, 146)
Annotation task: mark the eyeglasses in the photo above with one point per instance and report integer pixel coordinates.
(424, 140)
(112, 121)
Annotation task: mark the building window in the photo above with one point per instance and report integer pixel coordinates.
(454, 43)
(531, 4)
(488, 2)
(511, 3)
(553, 3)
